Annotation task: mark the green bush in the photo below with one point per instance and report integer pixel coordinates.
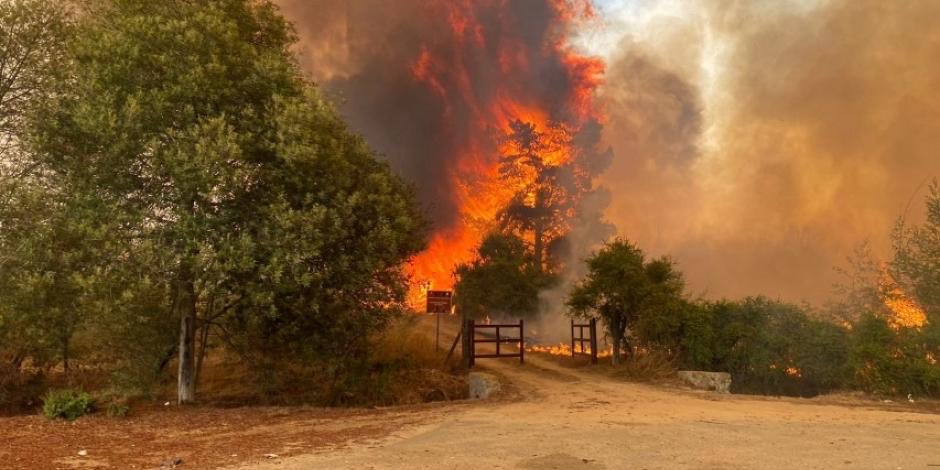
(67, 404)
(768, 346)
(889, 362)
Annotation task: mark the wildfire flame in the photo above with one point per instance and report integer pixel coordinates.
(564, 349)
(451, 71)
(905, 311)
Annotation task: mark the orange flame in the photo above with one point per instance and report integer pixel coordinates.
(564, 349)
(474, 178)
(905, 311)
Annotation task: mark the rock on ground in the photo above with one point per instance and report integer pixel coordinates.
(714, 381)
(482, 385)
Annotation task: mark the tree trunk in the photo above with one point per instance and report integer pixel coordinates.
(617, 337)
(186, 384)
(615, 358)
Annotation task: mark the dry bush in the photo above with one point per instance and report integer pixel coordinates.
(646, 365)
(20, 391)
(402, 367)
(408, 340)
(407, 351)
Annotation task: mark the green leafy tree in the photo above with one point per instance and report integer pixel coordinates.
(630, 294)
(225, 183)
(503, 282)
(39, 310)
(32, 36)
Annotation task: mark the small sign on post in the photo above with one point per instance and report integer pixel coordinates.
(439, 302)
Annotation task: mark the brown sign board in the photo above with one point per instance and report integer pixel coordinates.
(439, 301)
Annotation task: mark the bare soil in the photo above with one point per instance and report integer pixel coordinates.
(554, 415)
(564, 418)
(157, 436)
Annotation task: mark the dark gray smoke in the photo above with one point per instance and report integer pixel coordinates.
(365, 51)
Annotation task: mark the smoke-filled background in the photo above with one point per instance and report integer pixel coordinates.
(756, 142)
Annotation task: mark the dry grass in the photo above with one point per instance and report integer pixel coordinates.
(423, 375)
(645, 366)
(408, 339)
(404, 367)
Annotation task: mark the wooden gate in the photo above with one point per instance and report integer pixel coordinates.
(578, 338)
(471, 339)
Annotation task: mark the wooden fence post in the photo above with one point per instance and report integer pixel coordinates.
(572, 338)
(467, 346)
(472, 336)
(593, 341)
(521, 342)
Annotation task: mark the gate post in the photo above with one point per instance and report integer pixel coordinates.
(593, 341)
(572, 338)
(468, 343)
(521, 342)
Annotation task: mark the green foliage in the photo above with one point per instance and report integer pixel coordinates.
(779, 349)
(894, 362)
(768, 346)
(639, 300)
(38, 308)
(188, 168)
(697, 337)
(503, 282)
(66, 404)
(32, 36)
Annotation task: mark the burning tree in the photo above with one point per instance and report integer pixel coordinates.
(536, 162)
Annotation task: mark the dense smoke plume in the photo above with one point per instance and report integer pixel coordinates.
(758, 142)
(434, 87)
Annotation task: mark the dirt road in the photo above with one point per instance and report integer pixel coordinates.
(571, 419)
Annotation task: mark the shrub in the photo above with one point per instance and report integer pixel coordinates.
(118, 410)
(768, 346)
(646, 365)
(890, 362)
(19, 390)
(67, 404)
